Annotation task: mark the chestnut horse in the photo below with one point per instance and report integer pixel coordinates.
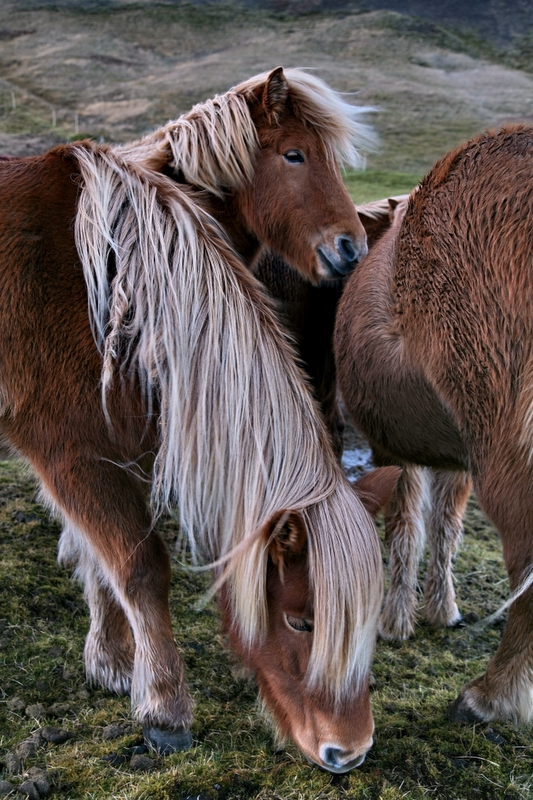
(142, 368)
(426, 504)
(308, 311)
(434, 346)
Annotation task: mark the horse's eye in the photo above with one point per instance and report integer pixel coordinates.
(294, 157)
(299, 623)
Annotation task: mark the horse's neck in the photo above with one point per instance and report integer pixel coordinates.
(228, 214)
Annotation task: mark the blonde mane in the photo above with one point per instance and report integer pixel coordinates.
(239, 435)
(213, 145)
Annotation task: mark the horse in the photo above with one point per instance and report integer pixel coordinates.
(426, 504)
(434, 354)
(143, 370)
(308, 311)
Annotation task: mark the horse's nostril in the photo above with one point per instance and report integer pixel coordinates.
(339, 760)
(346, 249)
(332, 756)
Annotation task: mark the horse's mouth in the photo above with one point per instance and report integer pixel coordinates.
(339, 769)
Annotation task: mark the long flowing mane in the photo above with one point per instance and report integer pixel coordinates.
(183, 313)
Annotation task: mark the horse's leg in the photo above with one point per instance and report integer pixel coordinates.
(126, 566)
(449, 495)
(505, 691)
(109, 647)
(405, 533)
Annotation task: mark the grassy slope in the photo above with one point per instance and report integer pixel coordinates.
(118, 72)
(122, 72)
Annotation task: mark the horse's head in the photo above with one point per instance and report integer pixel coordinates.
(334, 733)
(297, 203)
(265, 157)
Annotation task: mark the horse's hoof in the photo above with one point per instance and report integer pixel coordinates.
(460, 711)
(166, 741)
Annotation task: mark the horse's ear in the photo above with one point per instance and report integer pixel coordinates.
(285, 536)
(275, 93)
(393, 205)
(376, 487)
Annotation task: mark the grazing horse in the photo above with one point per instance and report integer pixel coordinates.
(142, 368)
(434, 347)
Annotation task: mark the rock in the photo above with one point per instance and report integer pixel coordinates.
(40, 778)
(112, 731)
(27, 748)
(141, 763)
(30, 790)
(55, 735)
(36, 711)
(5, 788)
(13, 763)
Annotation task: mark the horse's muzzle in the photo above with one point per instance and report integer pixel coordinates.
(338, 761)
(340, 261)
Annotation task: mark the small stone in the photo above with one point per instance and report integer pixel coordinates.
(40, 779)
(112, 731)
(36, 711)
(13, 763)
(27, 748)
(55, 735)
(37, 737)
(16, 704)
(30, 790)
(141, 763)
(5, 788)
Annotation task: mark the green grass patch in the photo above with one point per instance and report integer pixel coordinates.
(375, 184)
(417, 752)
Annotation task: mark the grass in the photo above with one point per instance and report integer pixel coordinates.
(374, 184)
(417, 752)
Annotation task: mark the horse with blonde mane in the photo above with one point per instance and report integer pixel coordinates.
(434, 347)
(143, 369)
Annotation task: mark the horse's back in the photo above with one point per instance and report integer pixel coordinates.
(463, 280)
(438, 317)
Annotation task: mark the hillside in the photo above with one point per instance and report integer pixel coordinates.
(115, 70)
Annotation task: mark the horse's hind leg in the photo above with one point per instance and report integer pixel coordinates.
(449, 495)
(127, 566)
(109, 647)
(405, 533)
(505, 691)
